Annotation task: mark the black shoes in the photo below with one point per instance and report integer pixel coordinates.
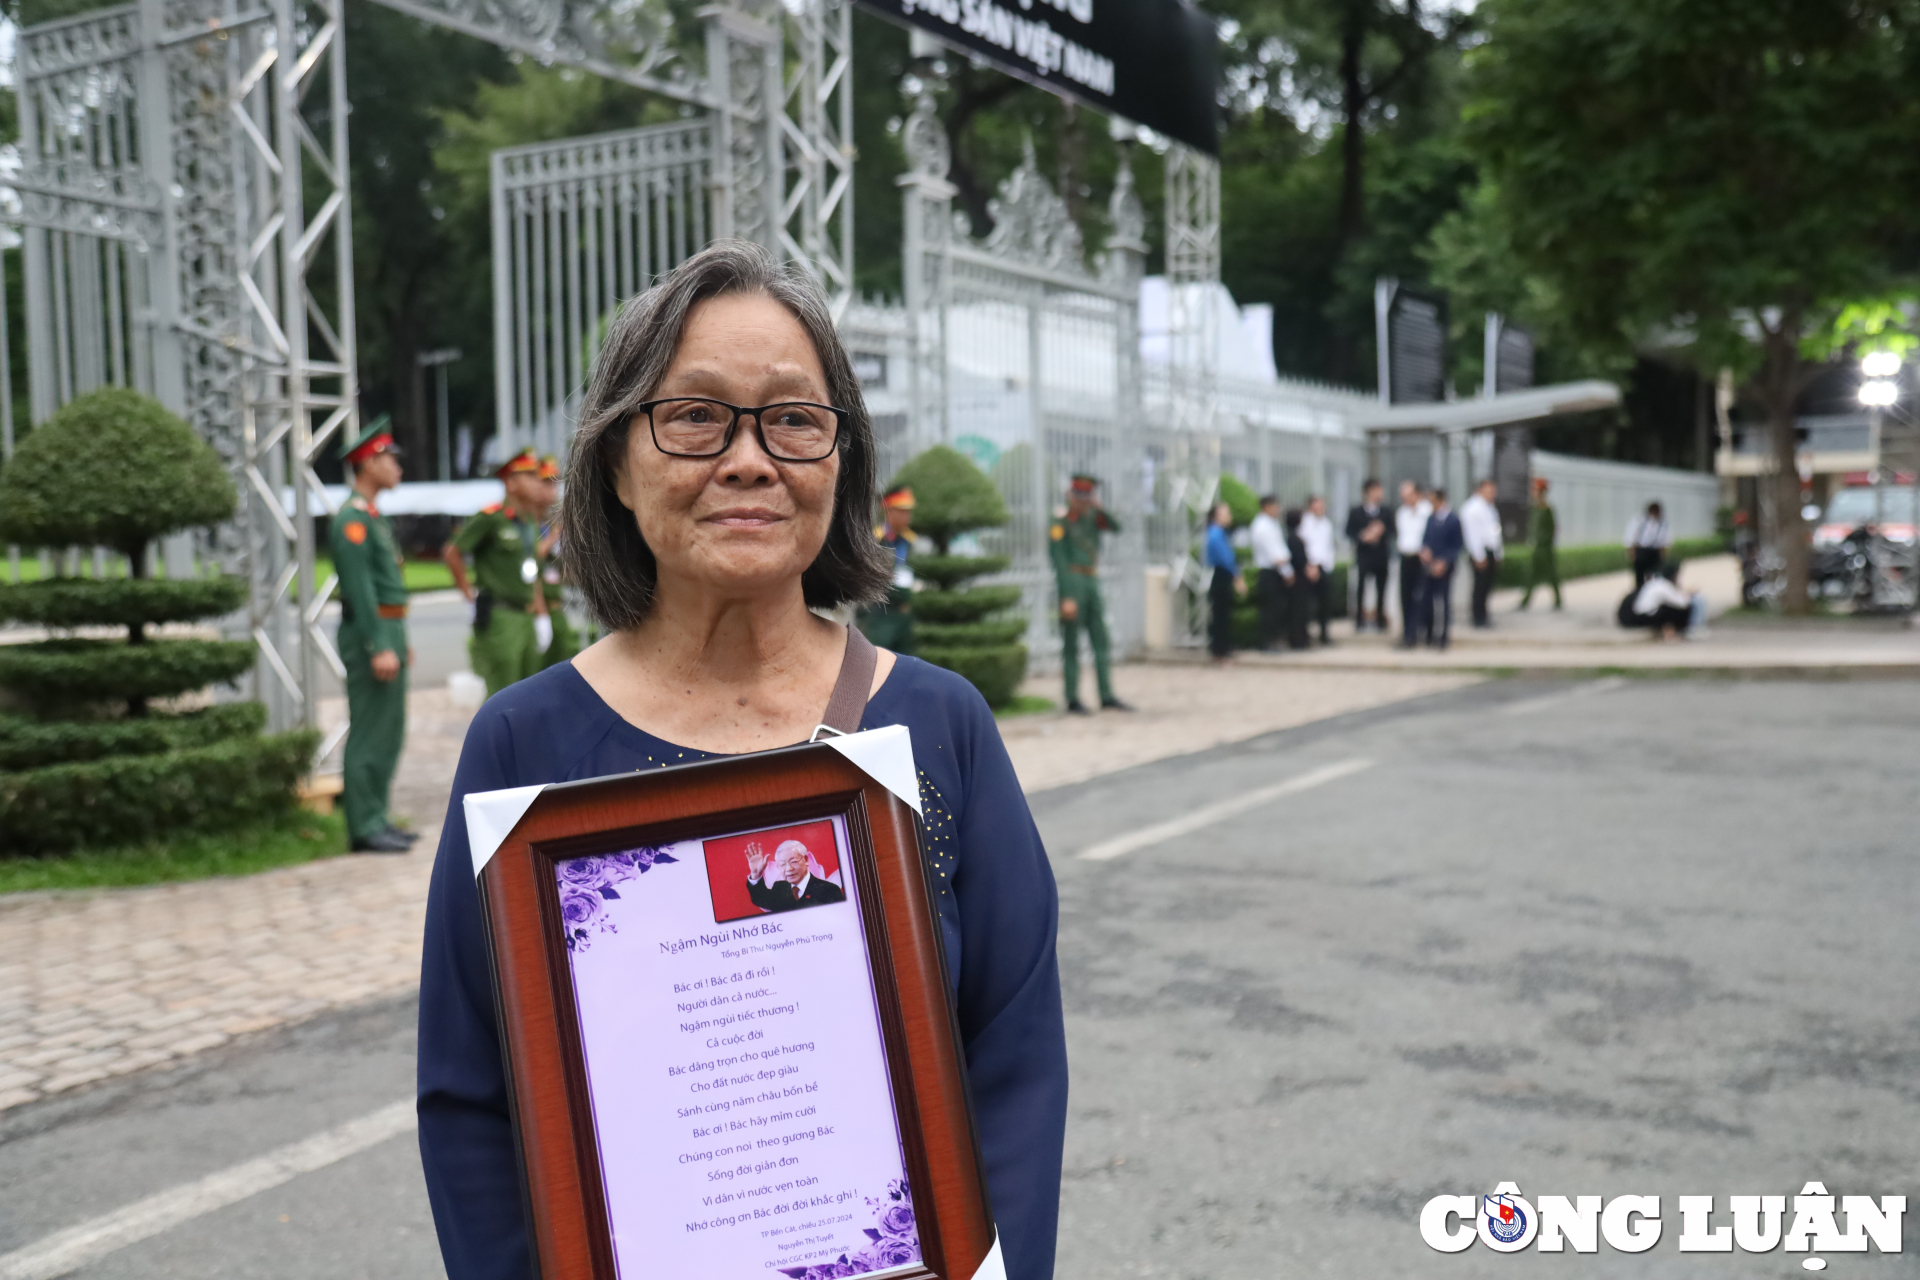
(1114, 704)
(1078, 708)
(392, 840)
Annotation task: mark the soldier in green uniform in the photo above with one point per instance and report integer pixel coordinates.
(566, 641)
(1074, 545)
(372, 640)
(890, 625)
(1543, 565)
(511, 626)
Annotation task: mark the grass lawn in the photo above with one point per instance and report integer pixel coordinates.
(419, 575)
(1025, 704)
(296, 836)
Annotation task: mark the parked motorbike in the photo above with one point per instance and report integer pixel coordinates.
(1839, 573)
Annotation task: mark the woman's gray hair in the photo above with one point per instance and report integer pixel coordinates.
(603, 552)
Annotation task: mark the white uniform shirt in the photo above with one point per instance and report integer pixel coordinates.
(1410, 527)
(1659, 591)
(1649, 531)
(1316, 535)
(1480, 528)
(1269, 544)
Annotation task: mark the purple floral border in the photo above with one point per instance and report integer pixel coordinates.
(586, 886)
(895, 1240)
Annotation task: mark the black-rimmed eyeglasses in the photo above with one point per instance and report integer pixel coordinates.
(795, 431)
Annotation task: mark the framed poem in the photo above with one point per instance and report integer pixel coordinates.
(724, 1011)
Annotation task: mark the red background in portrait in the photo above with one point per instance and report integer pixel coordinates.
(727, 863)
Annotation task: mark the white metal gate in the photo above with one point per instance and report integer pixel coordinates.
(578, 227)
(1029, 361)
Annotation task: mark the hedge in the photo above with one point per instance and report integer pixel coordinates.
(962, 606)
(951, 635)
(947, 572)
(1246, 610)
(995, 672)
(114, 469)
(53, 672)
(120, 602)
(123, 799)
(27, 744)
(1589, 561)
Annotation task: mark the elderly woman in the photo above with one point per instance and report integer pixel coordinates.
(702, 535)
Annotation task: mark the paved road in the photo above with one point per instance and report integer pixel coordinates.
(1680, 967)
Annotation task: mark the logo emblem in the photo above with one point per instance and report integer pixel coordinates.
(1506, 1218)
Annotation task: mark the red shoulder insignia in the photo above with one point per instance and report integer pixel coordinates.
(355, 532)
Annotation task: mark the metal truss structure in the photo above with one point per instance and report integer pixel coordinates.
(186, 217)
(187, 233)
(1193, 265)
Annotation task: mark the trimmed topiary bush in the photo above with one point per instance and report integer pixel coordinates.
(1240, 499)
(91, 765)
(955, 626)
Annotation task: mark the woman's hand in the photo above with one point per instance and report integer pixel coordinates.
(1069, 609)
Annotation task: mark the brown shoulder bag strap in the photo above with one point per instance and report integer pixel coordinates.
(849, 700)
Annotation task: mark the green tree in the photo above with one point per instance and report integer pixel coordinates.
(113, 468)
(962, 628)
(1338, 159)
(417, 285)
(1240, 499)
(1738, 171)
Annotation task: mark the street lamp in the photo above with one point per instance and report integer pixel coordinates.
(1880, 364)
(1879, 393)
(438, 362)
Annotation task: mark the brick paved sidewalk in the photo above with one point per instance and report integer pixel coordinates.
(99, 983)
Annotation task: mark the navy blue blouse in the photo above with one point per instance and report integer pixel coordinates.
(998, 913)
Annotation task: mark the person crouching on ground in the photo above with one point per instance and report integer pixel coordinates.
(1670, 611)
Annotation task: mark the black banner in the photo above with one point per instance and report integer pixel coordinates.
(1154, 62)
(1417, 341)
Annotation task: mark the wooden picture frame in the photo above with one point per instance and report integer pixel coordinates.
(569, 1215)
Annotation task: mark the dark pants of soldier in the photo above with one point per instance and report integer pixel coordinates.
(1413, 576)
(1485, 575)
(1220, 631)
(1274, 607)
(1371, 569)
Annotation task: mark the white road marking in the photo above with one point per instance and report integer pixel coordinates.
(1591, 687)
(1219, 811)
(69, 1250)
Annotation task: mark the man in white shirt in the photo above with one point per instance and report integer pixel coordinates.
(1316, 533)
(1648, 538)
(1409, 535)
(1661, 604)
(1274, 567)
(1480, 529)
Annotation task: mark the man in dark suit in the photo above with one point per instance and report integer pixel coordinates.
(796, 888)
(1438, 552)
(1367, 531)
